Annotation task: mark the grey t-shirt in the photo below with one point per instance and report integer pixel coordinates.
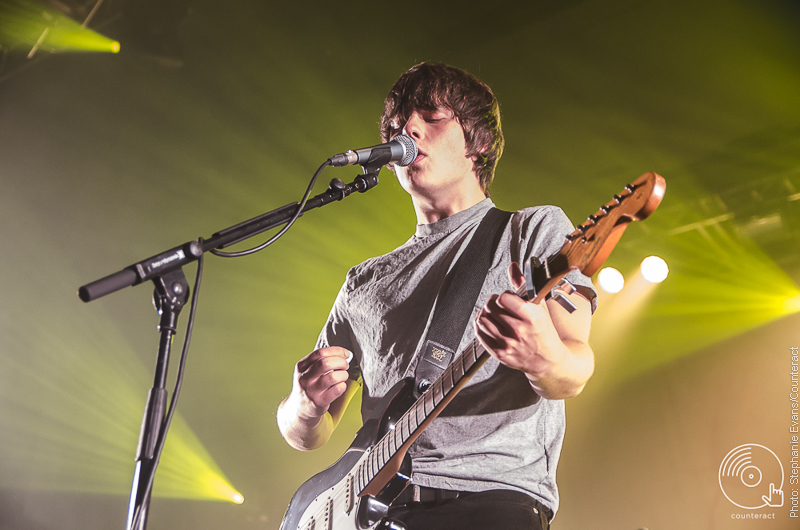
(497, 433)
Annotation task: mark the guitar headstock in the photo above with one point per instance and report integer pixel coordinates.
(591, 243)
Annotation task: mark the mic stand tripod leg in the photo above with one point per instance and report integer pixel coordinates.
(170, 295)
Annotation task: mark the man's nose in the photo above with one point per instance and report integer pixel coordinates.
(414, 126)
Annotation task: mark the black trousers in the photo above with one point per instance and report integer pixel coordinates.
(485, 510)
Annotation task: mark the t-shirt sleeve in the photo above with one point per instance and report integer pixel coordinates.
(337, 332)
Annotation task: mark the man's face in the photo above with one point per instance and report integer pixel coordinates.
(442, 163)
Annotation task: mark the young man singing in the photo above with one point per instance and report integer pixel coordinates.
(489, 461)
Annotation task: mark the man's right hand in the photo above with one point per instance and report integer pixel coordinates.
(320, 378)
(320, 393)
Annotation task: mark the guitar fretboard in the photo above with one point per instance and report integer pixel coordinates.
(409, 426)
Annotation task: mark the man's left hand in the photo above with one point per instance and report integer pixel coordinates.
(543, 341)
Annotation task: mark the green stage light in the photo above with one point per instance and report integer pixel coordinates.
(33, 27)
(69, 423)
(187, 471)
(79, 40)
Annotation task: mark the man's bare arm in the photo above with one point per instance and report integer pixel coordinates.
(320, 394)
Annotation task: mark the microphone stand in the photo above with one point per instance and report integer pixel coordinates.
(170, 295)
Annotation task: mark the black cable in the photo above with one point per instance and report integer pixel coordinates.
(284, 229)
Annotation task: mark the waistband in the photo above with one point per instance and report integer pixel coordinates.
(415, 494)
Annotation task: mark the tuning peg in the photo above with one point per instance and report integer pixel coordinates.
(563, 301)
(566, 286)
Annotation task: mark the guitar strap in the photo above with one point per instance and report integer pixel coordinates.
(457, 298)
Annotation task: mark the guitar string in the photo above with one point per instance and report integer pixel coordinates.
(339, 493)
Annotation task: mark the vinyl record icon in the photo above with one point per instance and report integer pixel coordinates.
(749, 474)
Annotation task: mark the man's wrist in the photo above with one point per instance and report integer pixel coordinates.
(303, 431)
(564, 379)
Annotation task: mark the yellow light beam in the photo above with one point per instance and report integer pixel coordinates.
(29, 25)
(72, 391)
(721, 284)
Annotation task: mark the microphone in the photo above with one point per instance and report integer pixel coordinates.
(401, 150)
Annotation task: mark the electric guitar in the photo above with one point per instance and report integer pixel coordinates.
(356, 491)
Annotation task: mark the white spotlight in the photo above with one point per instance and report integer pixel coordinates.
(654, 269)
(611, 280)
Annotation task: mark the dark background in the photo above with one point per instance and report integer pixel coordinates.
(214, 112)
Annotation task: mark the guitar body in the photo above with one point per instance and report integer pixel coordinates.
(329, 501)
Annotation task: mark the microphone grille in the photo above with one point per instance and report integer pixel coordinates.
(409, 149)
